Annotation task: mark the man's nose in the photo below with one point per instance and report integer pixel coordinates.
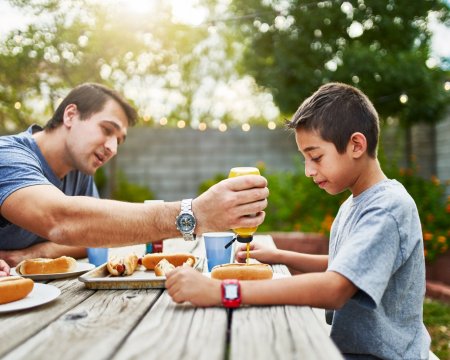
(111, 145)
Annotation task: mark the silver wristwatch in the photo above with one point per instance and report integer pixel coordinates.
(186, 220)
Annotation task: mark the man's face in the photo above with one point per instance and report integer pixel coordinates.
(330, 170)
(93, 141)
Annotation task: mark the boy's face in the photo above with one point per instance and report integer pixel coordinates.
(94, 141)
(330, 170)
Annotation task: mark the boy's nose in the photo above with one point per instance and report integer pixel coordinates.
(310, 171)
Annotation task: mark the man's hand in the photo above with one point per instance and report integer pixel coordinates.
(227, 204)
(4, 268)
(257, 251)
(187, 284)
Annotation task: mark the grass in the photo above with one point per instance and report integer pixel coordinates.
(436, 316)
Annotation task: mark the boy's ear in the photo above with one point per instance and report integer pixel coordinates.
(357, 144)
(69, 113)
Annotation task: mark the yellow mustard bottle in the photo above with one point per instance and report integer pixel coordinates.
(244, 235)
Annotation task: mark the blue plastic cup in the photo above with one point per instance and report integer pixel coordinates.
(215, 248)
(97, 256)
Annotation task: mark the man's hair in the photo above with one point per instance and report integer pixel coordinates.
(91, 98)
(336, 111)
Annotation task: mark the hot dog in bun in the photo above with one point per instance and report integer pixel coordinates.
(62, 264)
(242, 272)
(13, 288)
(122, 265)
(151, 260)
(163, 267)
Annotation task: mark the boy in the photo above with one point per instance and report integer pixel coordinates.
(374, 275)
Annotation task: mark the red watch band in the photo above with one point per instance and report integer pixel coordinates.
(231, 293)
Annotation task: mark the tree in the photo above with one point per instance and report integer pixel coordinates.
(85, 41)
(382, 47)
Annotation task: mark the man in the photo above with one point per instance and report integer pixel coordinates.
(49, 204)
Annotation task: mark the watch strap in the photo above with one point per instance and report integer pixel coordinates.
(186, 207)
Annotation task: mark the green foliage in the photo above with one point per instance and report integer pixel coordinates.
(433, 207)
(85, 41)
(293, 47)
(297, 204)
(436, 316)
(126, 191)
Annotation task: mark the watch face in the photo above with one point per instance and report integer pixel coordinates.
(185, 223)
(231, 291)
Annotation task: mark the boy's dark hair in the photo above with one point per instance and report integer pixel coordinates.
(90, 98)
(336, 111)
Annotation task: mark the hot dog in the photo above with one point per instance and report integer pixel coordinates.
(163, 267)
(242, 272)
(13, 288)
(36, 266)
(151, 260)
(122, 265)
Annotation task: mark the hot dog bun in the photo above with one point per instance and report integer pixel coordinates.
(163, 267)
(151, 260)
(242, 272)
(62, 264)
(13, 288)
(122, 265)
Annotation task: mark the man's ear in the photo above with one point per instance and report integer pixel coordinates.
(357, 145)
(70, 112)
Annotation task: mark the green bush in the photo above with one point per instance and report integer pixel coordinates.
(124, 190)
(297, 204)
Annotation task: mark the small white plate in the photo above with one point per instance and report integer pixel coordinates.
(82, 267)
(41, 294)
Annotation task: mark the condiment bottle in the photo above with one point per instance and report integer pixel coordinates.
(244, 235)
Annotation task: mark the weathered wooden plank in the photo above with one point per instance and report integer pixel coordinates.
(171, 331)
(279, 332)
(23, 324)
(92, 330)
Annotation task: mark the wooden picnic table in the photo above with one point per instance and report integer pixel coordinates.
(146, 324)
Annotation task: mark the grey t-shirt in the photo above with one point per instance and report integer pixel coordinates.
(376, 243)
(22, 164)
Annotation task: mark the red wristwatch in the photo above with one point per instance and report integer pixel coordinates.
(231, 293)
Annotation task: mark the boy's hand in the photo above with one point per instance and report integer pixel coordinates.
(187, 284)
(4, 268)
(257, 251)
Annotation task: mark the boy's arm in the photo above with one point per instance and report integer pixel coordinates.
(328, 290)
(42, 250)
(305, 263)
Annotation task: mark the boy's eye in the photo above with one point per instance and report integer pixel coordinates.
(317, 158)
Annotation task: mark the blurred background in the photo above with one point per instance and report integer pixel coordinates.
(215, 80)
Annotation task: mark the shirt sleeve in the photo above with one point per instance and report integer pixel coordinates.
(369, 256)
(18, 169)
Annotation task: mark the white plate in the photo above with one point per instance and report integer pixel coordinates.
(82, 267)
(41, 294)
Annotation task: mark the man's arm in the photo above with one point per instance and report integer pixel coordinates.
(85, 221)
(46, 249)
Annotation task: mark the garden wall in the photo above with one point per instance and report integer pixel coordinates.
(173, 162)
